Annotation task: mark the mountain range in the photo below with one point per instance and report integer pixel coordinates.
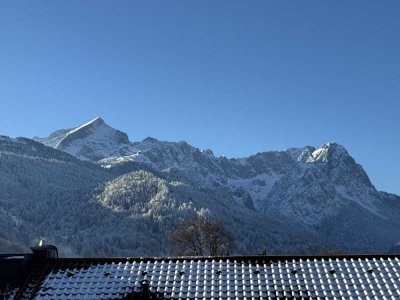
(93, 192)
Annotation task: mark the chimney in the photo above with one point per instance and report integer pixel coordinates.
(42, 252)
(145, 289)
(16, 268)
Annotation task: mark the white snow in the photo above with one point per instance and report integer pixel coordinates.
(362, 198)
(94, 139)
(321, 154)
(108, 162)
(84, 125)
(258, 187)
(102, 143)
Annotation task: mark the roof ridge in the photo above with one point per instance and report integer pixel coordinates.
(235, 257)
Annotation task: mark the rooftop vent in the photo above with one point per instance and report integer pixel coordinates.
(42, 252)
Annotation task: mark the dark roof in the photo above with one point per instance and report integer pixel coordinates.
(239, 277)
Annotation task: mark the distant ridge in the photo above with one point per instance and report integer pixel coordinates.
(129, 194)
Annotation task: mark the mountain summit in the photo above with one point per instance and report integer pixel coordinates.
(92, 141)
(323, 191)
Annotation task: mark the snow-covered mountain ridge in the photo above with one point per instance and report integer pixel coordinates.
(89, 210)
(91, 141)
(322, 192)
(260, 175)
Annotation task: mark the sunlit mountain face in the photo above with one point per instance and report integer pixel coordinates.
(93, 192)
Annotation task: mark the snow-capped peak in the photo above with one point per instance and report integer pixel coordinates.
(301, 154)
(95, 122)
(328, 151)
(93, 141)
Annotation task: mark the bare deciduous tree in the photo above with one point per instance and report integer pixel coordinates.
(199, 237)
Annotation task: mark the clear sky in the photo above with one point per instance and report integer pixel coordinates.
(238, 77)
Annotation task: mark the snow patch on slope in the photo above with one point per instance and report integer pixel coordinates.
(328, 152)
(258, 187)
(112, 161)
(362, 199)
(301, 154)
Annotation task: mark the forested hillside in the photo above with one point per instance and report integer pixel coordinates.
(121, 198)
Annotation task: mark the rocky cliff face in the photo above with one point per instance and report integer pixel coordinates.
(321, 190)
(91, 141)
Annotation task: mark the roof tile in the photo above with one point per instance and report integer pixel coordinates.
(362, 277)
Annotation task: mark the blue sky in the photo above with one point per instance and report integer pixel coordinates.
(238, 77)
